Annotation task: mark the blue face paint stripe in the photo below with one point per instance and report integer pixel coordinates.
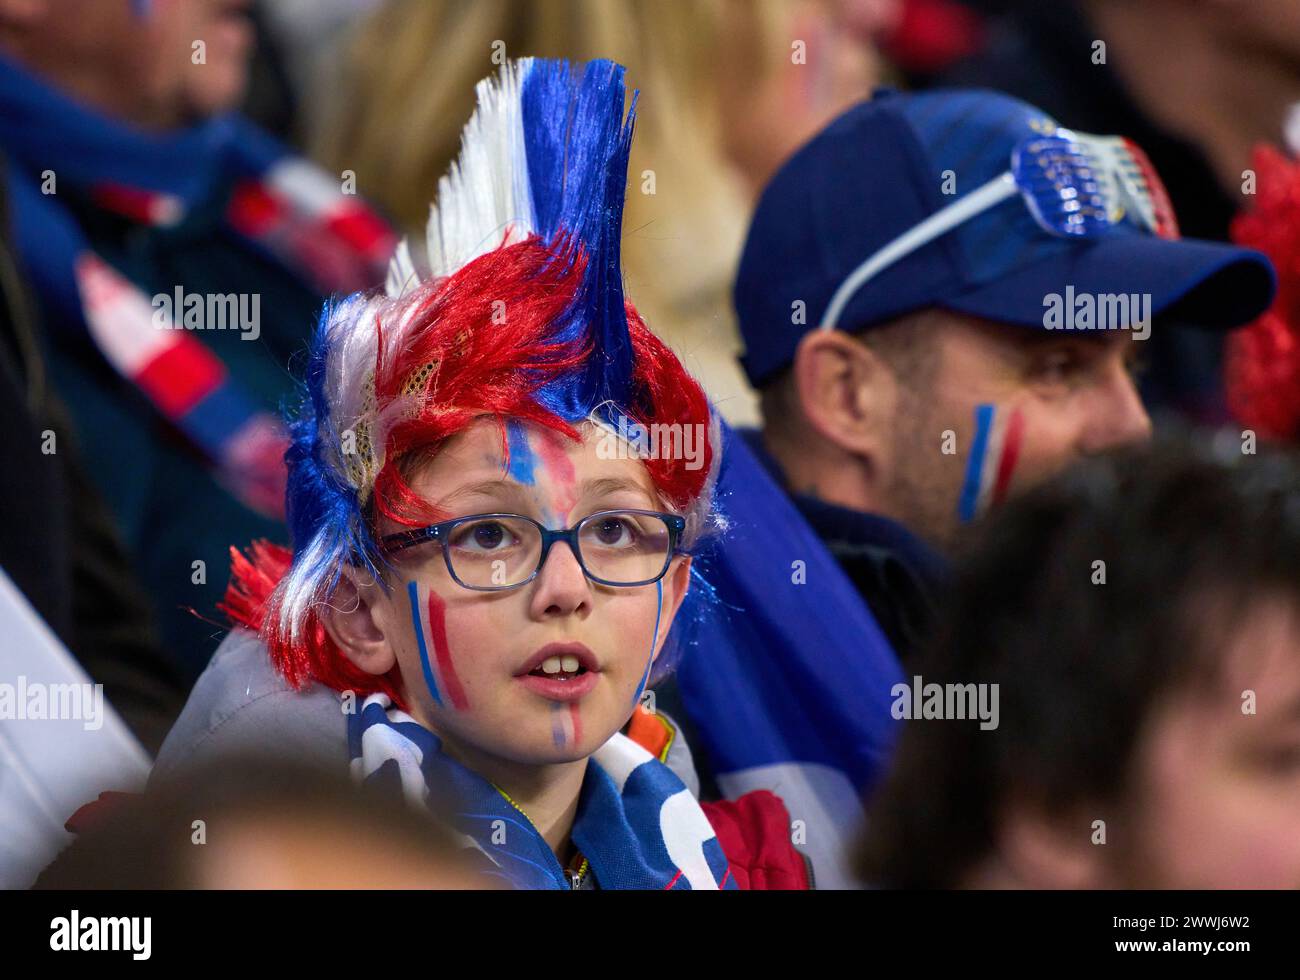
(645, 678)
(413, 591)
(521, 460)
(970, 491)
(557, 725)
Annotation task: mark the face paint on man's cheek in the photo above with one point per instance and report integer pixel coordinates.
(992, 460)
(428, 617)
(654, 636)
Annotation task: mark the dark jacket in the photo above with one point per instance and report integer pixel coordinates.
(57, 540)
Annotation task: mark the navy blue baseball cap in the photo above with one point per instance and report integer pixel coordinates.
(882, 167)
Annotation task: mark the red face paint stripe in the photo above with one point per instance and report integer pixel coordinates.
(559, 466)
(577, 724)
(1010, 453)
(442, 654)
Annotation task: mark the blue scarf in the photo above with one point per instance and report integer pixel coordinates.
(637, 826)
(59, 150)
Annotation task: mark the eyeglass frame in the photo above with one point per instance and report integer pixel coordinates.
(400, 541)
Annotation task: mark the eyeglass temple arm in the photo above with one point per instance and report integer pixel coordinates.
(940, 223)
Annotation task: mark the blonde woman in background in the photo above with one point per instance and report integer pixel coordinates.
(730, 88)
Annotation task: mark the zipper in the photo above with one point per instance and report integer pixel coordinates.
(576, 877)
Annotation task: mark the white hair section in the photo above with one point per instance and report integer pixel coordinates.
(353, 338)
(363, 331)
(301, 589)
(486, 197)
(401, 271)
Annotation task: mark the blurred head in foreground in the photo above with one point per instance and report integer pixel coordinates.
(1140, 618)
(240, 823)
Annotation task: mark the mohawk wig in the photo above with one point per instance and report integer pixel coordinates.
(521, 316)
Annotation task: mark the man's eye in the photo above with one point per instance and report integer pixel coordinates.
(1281, 758)
(1055, 367)
(1137, 364)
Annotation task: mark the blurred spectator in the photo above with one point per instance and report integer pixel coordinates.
(140, 207)
(1262, 368)
(1196, 83)
(1137, 625)
(730, 87)
(57, 541)
(242, 823)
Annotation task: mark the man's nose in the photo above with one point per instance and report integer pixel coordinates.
(1117, 417)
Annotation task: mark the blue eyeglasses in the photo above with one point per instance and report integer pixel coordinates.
(492, 552)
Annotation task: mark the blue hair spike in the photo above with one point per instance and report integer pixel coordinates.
(578, 140)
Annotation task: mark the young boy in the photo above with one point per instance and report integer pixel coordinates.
(490, 541)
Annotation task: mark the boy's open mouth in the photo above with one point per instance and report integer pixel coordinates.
(559, 668)
(560, 671)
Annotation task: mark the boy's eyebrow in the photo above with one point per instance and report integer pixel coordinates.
(613, 484)
(482, 488)
(509, 488)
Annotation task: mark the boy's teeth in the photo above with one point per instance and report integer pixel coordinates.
(570, 664)
(551, 665)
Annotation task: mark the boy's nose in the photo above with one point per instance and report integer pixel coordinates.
(561, 587)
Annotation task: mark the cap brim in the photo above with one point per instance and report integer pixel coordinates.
(1190, 281)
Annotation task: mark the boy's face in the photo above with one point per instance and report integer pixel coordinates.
(492, 690)
(1218, 777)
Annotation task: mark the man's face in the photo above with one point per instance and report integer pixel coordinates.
(150, 62)
(1000, 409)
(1217, 780)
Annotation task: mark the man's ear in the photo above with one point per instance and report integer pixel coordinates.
(845, 390)
(676, 584)
(355, 619)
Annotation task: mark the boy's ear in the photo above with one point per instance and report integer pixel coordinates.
(356, 623)
(676, 584)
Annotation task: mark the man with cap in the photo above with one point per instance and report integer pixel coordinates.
(942, 298)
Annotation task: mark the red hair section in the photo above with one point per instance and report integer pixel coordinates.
(664, 393)
(483, 342)
(1262, 364)
(317, 658)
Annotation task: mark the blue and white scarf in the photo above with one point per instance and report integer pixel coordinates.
(637, 825)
